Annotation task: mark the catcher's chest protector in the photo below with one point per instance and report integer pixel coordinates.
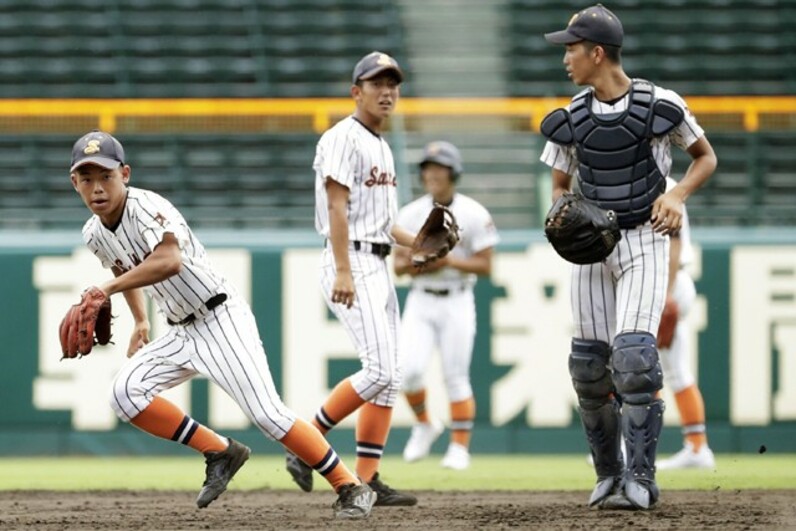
(615, 161)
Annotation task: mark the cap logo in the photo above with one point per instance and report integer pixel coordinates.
(92, 147)
(433, 149)
(385, 60)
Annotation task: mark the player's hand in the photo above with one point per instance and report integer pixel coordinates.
(667, 214)
(139, 338)
(433, 265)
(343, 289)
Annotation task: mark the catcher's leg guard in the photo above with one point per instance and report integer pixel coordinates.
(599, 413)
(638, 377)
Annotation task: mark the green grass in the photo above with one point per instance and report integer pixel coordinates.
(515, 472)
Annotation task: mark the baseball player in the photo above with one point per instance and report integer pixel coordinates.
(675, 358)
(149, 248)
(440, 307)
(614, 140)
(355, 209)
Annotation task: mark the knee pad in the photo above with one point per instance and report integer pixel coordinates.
(637, 373)
(588, 367)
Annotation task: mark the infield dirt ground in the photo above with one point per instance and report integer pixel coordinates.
(276, 509)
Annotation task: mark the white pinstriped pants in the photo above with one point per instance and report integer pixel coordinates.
(624, 293)
(225, 347)
(372, 323)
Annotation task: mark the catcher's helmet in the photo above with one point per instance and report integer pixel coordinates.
(444, 154)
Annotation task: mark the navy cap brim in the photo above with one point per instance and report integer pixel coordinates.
(370, 74)
(562, 37)
(105, 162)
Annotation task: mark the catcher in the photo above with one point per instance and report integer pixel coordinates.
(146, 243)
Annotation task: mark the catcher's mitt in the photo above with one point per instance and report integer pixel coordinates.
(438, 235)
(671, 313)
(86, 324)
(580, 231)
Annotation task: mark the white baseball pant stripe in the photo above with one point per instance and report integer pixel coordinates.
(624, 293)
(372, 323)
(225, 347)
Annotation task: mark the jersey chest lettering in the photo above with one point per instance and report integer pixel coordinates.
(125, 257)
(381, 178)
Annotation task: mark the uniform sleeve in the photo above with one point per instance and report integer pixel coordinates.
(335, 158)
(689, 131)
(560, 158)
(484, 233)
(156, 218)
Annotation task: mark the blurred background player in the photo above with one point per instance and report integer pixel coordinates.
(676, 357)
(148, 246)
(440, 307)
(355, 211)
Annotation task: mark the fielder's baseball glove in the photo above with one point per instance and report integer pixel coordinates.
(86, 324)
(438, 235)
(580, 231)
(669, 317)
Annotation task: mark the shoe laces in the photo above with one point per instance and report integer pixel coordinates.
(212, 471)
(380, 487)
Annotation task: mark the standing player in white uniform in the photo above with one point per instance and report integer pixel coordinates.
(615, 139)
(676, 357)
(440, 307)
(355, 209)
(147, 244)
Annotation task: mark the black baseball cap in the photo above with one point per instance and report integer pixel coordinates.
(596, 24)
(97, 148)
(374, 64)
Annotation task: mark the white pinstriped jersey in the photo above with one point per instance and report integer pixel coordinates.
(146, 218)
(478, 232)
(362, 161)
(564, 158)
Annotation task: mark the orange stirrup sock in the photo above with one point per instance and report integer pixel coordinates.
(309, 445)
(462, 415)
(417, 401)
(343, 401)
(163, 419)
(692, 415)
(373, 427)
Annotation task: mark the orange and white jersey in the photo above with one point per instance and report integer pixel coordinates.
(362, 161)
(147, 217)
(477, 232)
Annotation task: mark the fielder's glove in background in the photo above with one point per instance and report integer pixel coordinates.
(86, 324)
(580, 231)
(438, 235)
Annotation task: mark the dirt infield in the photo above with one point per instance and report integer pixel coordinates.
(267, 509)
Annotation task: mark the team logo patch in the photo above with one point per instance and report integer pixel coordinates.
(92, 147)
(573, 19)
(385, 60)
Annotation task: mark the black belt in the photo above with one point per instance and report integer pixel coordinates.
(379, 249)
(212, 302)
(438, 292)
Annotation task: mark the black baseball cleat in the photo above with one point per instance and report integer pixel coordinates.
(299, 471)
(221, 468)
(389, 497)
(354, 502)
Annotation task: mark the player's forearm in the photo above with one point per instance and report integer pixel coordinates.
(402, 263)
(479, 265)
(561, 183)
(157, 267)
(402, 236)
(674, 263)
(702, 166)
(137, 303)
(338, 237)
